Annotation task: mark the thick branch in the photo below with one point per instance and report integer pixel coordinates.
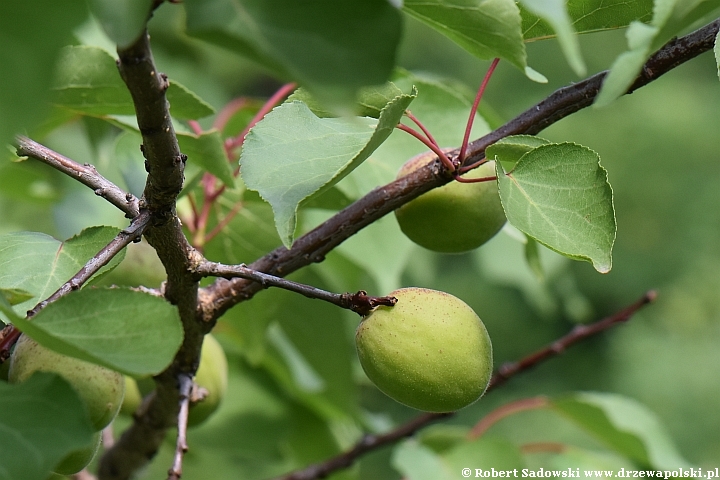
(131, 234)
(372, 442)
(360, 302)
(165, 165)
(85, 174)
(313, 246)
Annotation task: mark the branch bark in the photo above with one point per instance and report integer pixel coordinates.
(314, 245)
(85, 174)
(372, 442)
(165, 166)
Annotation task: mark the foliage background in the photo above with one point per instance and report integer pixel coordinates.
(296, 392)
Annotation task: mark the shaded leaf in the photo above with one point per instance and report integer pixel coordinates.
(292, 154)
(208, 151)
(486, 29)
(129, 331)
(331, 47)
(590, 16)
(15, 295)
(40, 264)
(87, 81)
(123, 21)
(559, 195)
(716, 50)
(415, 461)
(555, 13)
(623, 424)
(42, 420)
(28, 58)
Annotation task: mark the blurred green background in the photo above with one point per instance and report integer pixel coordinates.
(297, 394)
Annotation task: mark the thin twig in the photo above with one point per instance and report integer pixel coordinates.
(181, 446)
(372, 442)
(85, 174)
(102, 258)
(360, 302)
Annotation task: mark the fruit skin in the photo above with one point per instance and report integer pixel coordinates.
(79, 459)
(456, 217)
(100, 389)
(430, 351)
(212, 375)
(133, 397)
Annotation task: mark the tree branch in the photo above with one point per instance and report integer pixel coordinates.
(360, 302)
(314, 245)
(131, 234)
(85, 174)
(181, 446)
(372, 442)
(165, 166)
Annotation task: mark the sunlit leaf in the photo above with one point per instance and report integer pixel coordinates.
(40, 264)
(559, 195)
(129, 331)
(292, 154)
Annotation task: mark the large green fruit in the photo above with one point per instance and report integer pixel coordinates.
(430, 351)
(100, 389)
(212, 375)
(456, 217)
(79, 459)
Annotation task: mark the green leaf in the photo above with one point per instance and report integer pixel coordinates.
(623, 424)
(42, 421)
(309, 154)
(559, 195)
(208, 151)
(555, 13)
(590, 16)
(15, 295)
(27, 60)
(40, 264)
(129, 331)
(716, 50)
(509, 150)
(485, 28)
(123, 21)
(418, 462)
(331, 47)
(87, 81)
(670, 17)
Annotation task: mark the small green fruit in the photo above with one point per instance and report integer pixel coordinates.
(100, 389)
(456, 217)
(430, 351)
(212, 375)
(79, 459)
(133, 397)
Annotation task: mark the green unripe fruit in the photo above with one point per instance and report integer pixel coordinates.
(430, 351)
(133, 397)
(100, 389)
(212, 375)
(79, 459)
(456, 217)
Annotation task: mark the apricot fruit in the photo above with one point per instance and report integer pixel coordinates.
(456, 217)
(430, 351)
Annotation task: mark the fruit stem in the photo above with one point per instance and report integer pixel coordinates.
(474, 180)
(441, 155)
(473, 110)
(424, 129)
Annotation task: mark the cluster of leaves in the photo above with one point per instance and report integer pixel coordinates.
(326, 146)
